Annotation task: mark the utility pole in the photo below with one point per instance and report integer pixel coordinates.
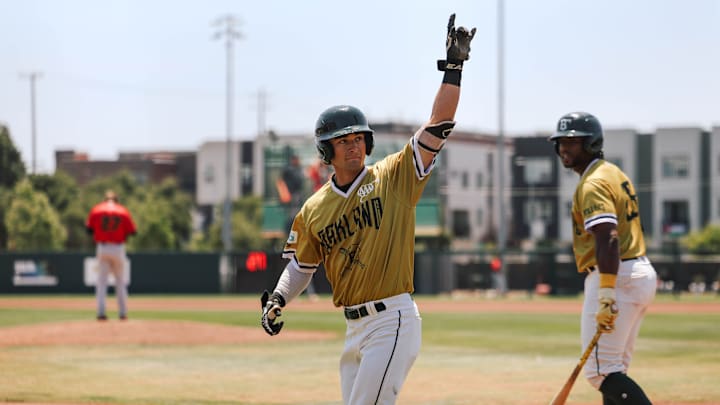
(33, 76)
(261, 110)
(501, 146)
(228, 32)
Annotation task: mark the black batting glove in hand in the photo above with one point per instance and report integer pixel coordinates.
(271, 309)
(457, 46)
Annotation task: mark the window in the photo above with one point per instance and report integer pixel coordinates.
(676, 217)
(209, 174)
(465, 179)
(140, 176)
(536, 170)
(246, 183)
(675, 166)
(537, 210)
(478, 180)
(460, 223)
(479, 217)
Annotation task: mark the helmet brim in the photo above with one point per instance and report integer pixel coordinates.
(569, 134)
(353, 129)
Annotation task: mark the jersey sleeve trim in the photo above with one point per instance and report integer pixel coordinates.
(308, 268)
(420, 171)
(599, 219)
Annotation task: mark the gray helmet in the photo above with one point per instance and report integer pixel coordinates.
(338, 121)
(580, 124)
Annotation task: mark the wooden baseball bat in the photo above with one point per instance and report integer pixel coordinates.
(562, 396)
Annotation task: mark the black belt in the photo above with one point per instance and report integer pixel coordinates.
(592, 268)
(362, 312)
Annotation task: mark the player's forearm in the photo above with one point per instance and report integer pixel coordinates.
(607, 256)
(443, 111)
(446, 103)
(292, 283)
(444, 107)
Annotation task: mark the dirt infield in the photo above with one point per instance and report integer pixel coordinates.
(175, 332)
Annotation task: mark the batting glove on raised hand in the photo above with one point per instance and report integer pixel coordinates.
(271, 309)
(607, 311)
(457, 46)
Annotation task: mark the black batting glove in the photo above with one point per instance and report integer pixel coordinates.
(457, 46)
(271, 310)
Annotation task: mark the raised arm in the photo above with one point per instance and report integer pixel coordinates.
(437, 129)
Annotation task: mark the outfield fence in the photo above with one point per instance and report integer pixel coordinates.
(543, 272)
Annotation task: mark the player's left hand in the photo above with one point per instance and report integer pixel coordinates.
(271, 309)
(607, 311)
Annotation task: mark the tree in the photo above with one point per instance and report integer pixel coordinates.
(123, 183)
(154, 226)
(179, 206)
(62, 192)
(246, 228)
(12, 170)
(5, 199)
(161, 213)
(31, 221)
(706, 240)
(247, 224)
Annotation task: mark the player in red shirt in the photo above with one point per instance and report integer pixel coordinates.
(110, 223)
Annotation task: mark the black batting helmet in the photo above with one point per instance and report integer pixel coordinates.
(580, 124)
(338, 121)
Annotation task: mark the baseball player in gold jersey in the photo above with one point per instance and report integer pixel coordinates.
(609, 247)
(361, 226)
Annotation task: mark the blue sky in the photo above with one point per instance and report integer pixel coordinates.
(136, 75)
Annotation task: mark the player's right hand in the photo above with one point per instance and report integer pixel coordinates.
(457, 43)
(607, 310)
(271, 309)
(457, 46)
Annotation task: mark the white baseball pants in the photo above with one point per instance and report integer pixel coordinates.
(634, 289)
(380, 349)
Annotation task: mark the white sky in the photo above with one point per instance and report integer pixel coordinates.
(145, 74)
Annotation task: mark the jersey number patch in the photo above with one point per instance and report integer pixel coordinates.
(631, 206)
(110, 223)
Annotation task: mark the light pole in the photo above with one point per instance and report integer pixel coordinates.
(33, 76)
(227, 31)
(501, 147)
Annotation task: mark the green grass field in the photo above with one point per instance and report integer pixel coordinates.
(467, 358)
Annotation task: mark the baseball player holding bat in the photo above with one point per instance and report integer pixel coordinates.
(361, 226)
(609, 248)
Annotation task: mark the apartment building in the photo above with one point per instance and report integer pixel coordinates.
(676, 172)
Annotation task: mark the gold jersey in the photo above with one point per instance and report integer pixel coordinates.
(605, 194)
(364, 237)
